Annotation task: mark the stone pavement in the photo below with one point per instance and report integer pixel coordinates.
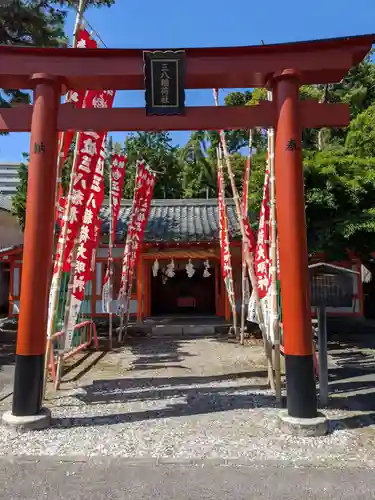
(183, 399)
(112, 479)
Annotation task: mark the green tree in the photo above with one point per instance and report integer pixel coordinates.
(340, 194)
(156, 150)
(199, 177)
(339, 198)
(38, 22)
(360, 138)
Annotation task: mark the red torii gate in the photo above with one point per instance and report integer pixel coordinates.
(282, 68)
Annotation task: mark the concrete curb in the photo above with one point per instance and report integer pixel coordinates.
(303, 427)
(30, 423)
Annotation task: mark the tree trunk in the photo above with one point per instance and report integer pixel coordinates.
(321, 131)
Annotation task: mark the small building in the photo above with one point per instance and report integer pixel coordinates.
(178, 231)
(10, 236)
(9, 178)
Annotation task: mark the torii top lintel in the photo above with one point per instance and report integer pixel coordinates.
(317, 61)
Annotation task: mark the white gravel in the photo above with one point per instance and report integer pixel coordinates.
(144, 415)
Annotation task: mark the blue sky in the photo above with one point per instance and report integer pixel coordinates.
(198, 23)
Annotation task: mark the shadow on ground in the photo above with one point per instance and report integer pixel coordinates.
(7, 354)
(352, 378)
(197, 400)
(155, 353)
(352, 384)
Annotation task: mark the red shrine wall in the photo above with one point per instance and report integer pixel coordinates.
(140, 304)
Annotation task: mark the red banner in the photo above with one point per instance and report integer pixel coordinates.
(88, 237)
(245, 196)
(89, 146)
(262, 261)
(75, 98)
(118, 171)
(145, 182)
(226, 264)
(249, 234)
(139, 227)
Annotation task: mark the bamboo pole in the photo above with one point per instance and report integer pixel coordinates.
(130, 249)
(70, 286)
(79, 23)
(244, 267)
(122, 307)
(110, 263)
(232, 297)
(274, 316)
(126, 299)
(124, 325)
(110, 326)
(127, 318)
(60, 359)
(56, 279)
(130, 282)
(248, 255)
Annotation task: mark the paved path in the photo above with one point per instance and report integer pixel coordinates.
(184, 399)
(117, 479)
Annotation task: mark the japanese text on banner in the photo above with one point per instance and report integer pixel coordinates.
(226, 264)
(117, 179)
(88, 156)
(262, 261)
(88, 237)
(145, 182)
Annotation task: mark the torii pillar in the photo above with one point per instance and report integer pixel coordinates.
(294, 277)
(38, 247)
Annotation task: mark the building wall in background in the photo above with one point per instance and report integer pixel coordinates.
(9, 179)
(10, 230)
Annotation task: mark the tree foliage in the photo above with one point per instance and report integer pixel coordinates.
(157, 151)
(340, 194)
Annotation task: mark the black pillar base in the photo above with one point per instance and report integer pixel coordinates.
(28, 385)
(301, 387)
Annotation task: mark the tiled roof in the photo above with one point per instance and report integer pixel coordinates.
(5, 203)
(5, 250)
(177, 220)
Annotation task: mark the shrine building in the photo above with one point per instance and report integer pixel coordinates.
(179, 233)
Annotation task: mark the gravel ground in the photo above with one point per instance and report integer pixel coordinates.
(183, 400)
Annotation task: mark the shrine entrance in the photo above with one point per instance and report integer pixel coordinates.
(281, 68)
(183, 295)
